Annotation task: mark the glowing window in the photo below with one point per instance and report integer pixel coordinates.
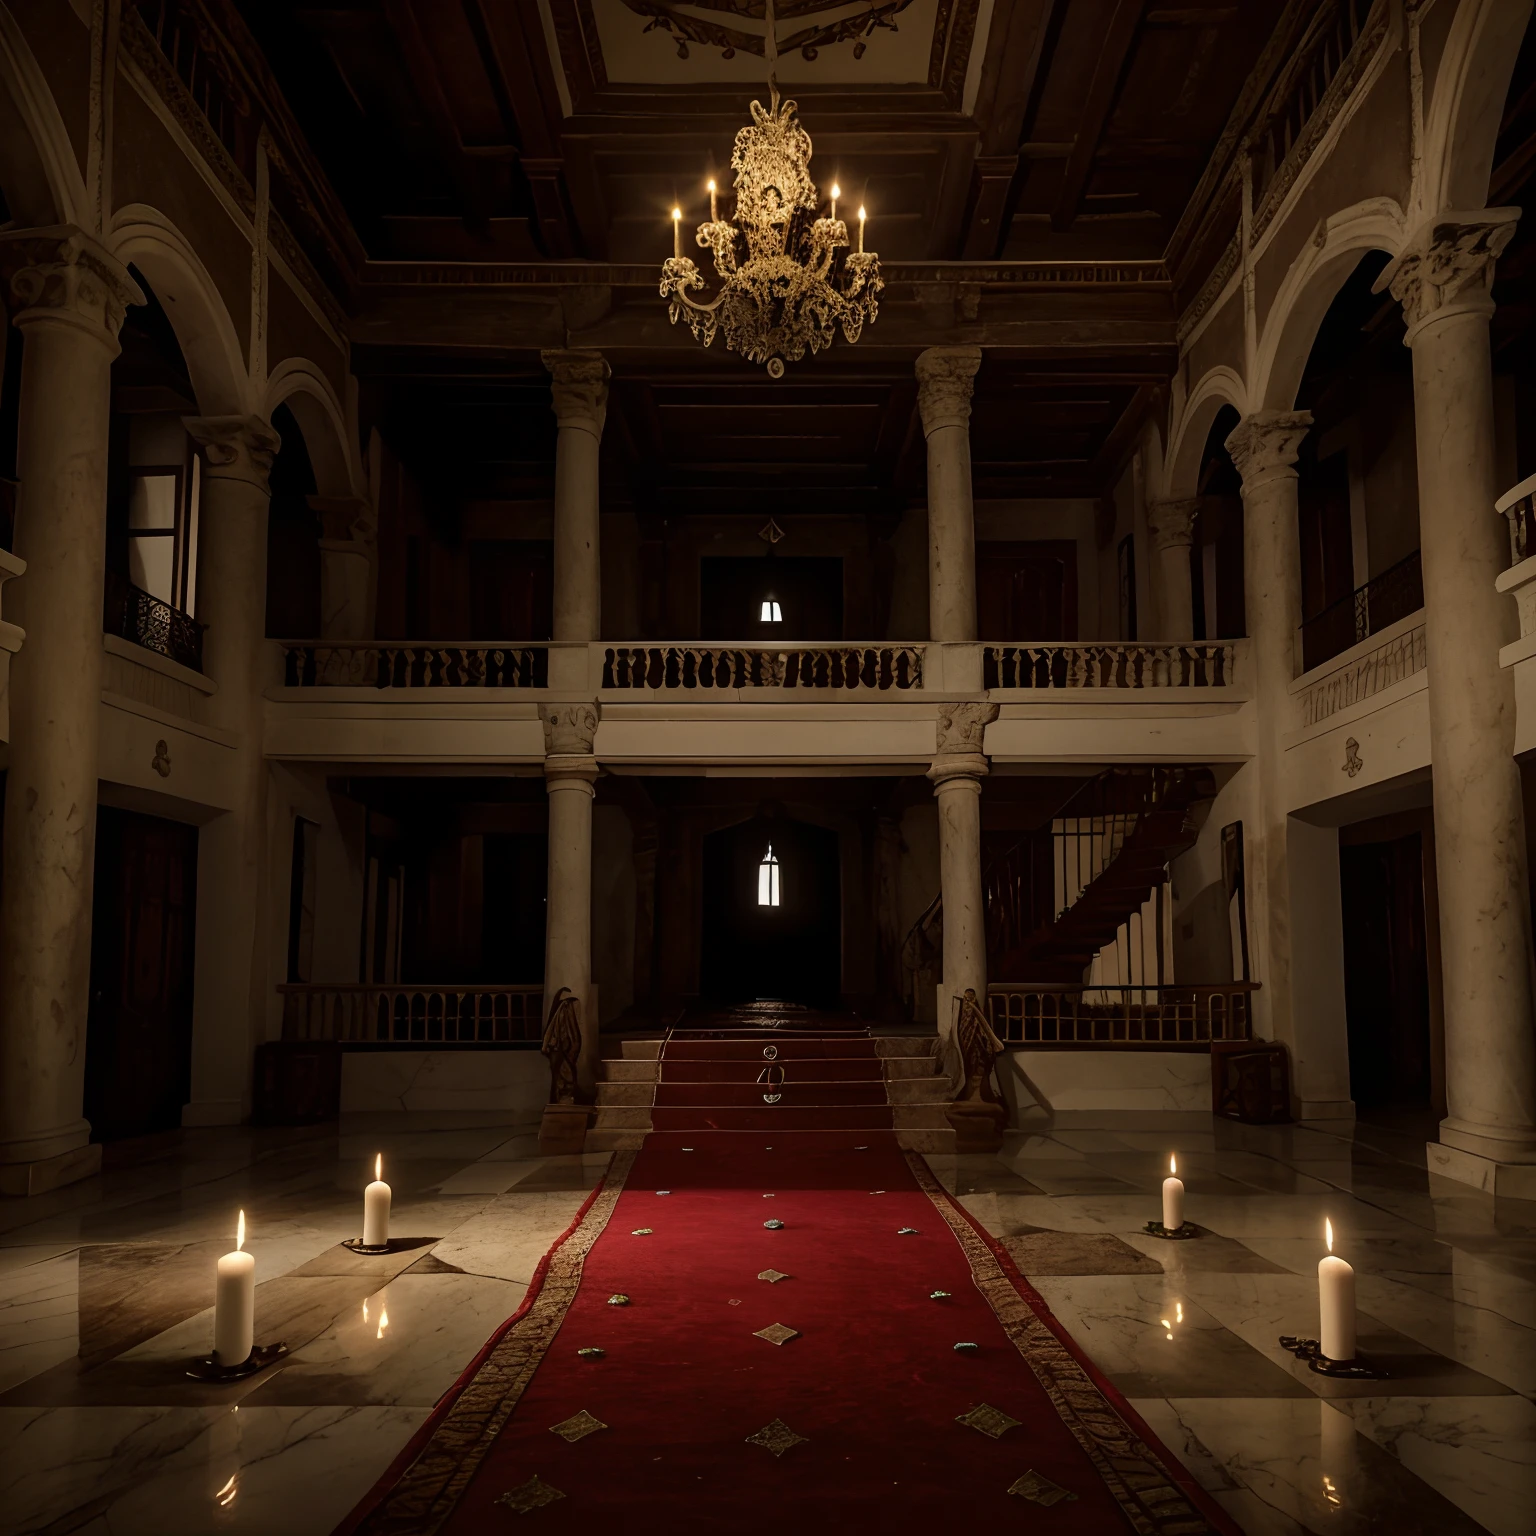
(771, 612)
(768, 880)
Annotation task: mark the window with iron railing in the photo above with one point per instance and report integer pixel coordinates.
(1382, 601)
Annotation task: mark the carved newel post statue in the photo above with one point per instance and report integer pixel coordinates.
(979, 1114)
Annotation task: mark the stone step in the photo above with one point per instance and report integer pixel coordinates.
(626, 1071)
(921, 1117)
(909, 1066)
(628, 1094)
(621, 1117)
(906, 1045)
(918, 1090)
(631, 1050)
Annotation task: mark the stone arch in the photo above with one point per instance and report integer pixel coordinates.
(305, 390)
(192, 304)
(1471, 86)
(1220, 387)
(38, 169)
(1309, 287)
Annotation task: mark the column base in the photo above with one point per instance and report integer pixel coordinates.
(46, 1173)
(212, 1112)
(1517, 1180)
(1488, 1142)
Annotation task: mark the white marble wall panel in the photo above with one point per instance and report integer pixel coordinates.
(514, 1083)
(1076, 1080)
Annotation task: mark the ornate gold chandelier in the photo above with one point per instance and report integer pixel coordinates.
(790, 292)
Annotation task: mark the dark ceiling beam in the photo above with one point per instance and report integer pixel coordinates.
(1119, 39)
(417, 59)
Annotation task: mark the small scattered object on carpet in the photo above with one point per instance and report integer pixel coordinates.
(939, 1295)
(735, 1301)
(861, 1149)
(533, 1494)
(772, 1276)
(687, 1149)
(592, 1352)
(774, 1225)
(777, 1333)
(776, 1437)
(877, 1191)
(1040, 1490)
(618, 1299)
(767, 1149)
(989, 1420)
(663, 1191)
(907, 1232)
(967, 1349)
(642, 1231)
(768, 1197)
(577, 1427)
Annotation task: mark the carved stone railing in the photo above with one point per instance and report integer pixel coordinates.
(312, 665)
(1518, 507)
(1385, 599)
(375, 1014)
(1397, 658)
(1171, 664)
(1122, 1018)
(877, 667)
(134, 615)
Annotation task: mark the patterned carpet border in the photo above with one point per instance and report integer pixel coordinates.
(422, 1485)
(1153, 1489)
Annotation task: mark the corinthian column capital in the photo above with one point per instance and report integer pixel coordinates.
(945, 379)
(1171, 524)
(63, 275)
(1449, 265)
(1264, 446)
(235, 447)
(580, 388)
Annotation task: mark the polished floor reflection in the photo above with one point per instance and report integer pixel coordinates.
(104, 1292)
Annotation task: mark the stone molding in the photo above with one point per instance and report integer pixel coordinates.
(345, 519)
(1264, 445)
(63, 273)
(236, 447)
(1171, 524)
(1449, 264)
(579, 388)
(962, 727)
(945, 380)
(569, 729)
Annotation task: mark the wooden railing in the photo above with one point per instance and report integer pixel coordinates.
(878, 667)
(376, 1014)
(1381, 602)
(134, 614)
(1122, 1018)
(1172, 664)
(309, 665)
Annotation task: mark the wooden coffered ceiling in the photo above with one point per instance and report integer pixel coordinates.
(1041, 177)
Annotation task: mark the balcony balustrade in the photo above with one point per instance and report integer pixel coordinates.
(1160, 1018)
(134, 615)
(1397, 592)
(1172, 664)
(425, 665)
(878, 667)
(379, 1014)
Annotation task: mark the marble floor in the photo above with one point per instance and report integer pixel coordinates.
(104, 1286)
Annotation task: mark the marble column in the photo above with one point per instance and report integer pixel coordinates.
(68, 300)
(580, 391)
(945, 379)
(1171, 532)
(1442, 280)
(570, 771)
(231, 990)
(959, 766)
(1264, 447)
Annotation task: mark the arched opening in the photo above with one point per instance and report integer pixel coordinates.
(772, 913)
(1216, 553)
(293, 537)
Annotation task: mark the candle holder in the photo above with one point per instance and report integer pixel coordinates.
(1311, 1351)
(1176, 1235)
(357, 1245)
(206, 1368)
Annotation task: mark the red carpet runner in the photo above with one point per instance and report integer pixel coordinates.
(871, 1389)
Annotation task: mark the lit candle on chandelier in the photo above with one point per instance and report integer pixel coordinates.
(861, 231)
(677, 231)
(376, 1199)
(714, 207)
(1173, 1198)
(837, 192)
(234, 1303)
(1336, 1302)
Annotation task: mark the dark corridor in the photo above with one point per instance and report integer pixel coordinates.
(790, 951)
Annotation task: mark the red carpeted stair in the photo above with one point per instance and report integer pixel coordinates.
(871, 1382)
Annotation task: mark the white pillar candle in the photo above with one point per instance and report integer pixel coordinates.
(714, 205)
(234, 1303)
(1173, 1198)
(677, 231)
(861, 231)
(376, 1200)
(1336, 1303)
(837, 192)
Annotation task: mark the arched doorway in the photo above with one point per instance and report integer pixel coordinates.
(772, 927)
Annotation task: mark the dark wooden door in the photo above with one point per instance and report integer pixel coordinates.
(1027, 590)
(138, 1055)
(1386, 972)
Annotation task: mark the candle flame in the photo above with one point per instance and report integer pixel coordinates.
(383, 1322)
(1178, 1311)
(837, 191)
(240, 1233)
(711, 184)
(226, 1494)
(1173, 1165)
(378, 1167)
(1328, 1233)
(861, 215)
(677, 214)
(365, 1311)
